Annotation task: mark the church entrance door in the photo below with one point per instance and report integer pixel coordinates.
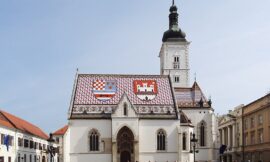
(125, 156)
(125, 145)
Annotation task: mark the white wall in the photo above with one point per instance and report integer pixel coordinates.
(79, 144)
(3, 149)
(66, 146)
(207, 115)
(148, 140)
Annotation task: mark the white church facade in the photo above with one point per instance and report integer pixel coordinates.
(143, 118)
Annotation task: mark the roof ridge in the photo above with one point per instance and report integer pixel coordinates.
(125, 75)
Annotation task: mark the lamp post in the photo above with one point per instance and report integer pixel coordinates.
(50, 149)
(194, 141)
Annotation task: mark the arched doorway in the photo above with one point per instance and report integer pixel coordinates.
(43, 159)
(125, 145)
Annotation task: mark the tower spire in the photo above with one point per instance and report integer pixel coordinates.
(174, 33)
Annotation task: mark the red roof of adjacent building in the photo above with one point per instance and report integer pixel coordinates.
(61, 131)
(15, 122)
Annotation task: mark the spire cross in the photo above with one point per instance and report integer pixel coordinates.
(173, 2)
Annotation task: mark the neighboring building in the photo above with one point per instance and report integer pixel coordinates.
(22, 141)
(120, 118)
(256, 117)
(230, 134)
(61, 140)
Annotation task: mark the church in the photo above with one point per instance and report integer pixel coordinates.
(143, 118)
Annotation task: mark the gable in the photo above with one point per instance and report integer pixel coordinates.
(124, 104)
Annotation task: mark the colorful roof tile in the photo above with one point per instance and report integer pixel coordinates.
(12, 121)
(190, 97)
(84, 94)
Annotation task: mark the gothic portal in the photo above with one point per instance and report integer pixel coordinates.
(125, 145)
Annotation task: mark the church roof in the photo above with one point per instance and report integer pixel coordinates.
(191, 97)
(124, 84)
(148, 93)
(15, 122)
(61, 131)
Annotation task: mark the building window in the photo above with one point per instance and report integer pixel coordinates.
(246, 124)
(176, 79)
(176, 63)
(24, 158)
(11, 140)
(252, 138)
(161, 140)
(94, 140)
(202, 134)
(19, 158)
(125, 109)
(260, 136)
(39, 146)
(30, 158)
(26, 143)
(246, 139)
(260, 119)
(31, 144)
(44, 147)
(176, 59)
(9, 159)
(57, 139)
(252, 122)
(2, 139)
(190, 137)
(184, 140)
(20, 142)
(35, 145)
(35, 158)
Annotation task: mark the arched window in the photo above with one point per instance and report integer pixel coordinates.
(190, 137)
(202, 133)
(125, 109)
(161, 140)
(184, 141)
(19, 158)
(94, 140)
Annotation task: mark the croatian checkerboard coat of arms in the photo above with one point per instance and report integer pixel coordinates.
(104, 89)
(145, 89)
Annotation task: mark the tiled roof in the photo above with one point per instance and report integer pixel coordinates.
(12, 121)
(84, 90)
(184, 118)
(4, 121)
(190, 97)
(61, 131)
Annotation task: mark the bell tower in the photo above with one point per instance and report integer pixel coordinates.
(174, 52)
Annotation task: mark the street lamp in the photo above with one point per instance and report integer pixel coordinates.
(194, 141)
(50, 149)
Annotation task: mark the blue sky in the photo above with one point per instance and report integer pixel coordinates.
(43, 42)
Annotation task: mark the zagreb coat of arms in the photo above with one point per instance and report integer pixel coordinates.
(104, 89)
(145, 89)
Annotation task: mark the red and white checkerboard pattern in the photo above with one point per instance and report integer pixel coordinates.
(99, 85)
(85, 96)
